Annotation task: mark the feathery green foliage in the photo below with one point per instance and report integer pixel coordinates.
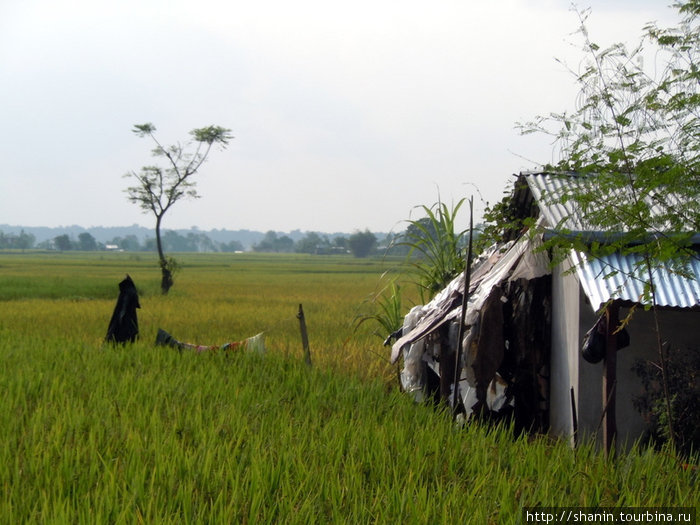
(634, 142)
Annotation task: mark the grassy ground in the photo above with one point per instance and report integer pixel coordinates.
(141, 433)
(216, 298)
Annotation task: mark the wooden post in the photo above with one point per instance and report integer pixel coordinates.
(574, 417)
(610, 379)
(463, 313)
(304, 336)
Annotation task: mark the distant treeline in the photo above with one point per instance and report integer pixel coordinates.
(359, 244)
(139, 239)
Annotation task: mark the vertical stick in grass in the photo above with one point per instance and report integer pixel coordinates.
(304, 336)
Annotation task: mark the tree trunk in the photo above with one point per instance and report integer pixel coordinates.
(159, 244)
(610, 380)
(166, 281)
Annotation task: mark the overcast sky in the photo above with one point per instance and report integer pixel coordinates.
(346, 115)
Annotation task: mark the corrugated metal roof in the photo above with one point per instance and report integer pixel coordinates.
(621, 277)
(545, 189)
(614, 276)
(548, 190)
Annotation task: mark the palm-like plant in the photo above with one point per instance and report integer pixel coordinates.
(435, 247)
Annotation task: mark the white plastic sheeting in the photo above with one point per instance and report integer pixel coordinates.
(511, 261)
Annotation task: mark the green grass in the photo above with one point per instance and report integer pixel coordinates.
(216, 298)
(93, 434)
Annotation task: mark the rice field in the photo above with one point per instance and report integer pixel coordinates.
(216, 298)
(146, 434)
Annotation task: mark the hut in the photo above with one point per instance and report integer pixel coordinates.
(551, 344)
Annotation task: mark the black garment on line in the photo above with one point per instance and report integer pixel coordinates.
(124, 325)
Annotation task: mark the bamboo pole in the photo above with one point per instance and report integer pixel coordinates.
(463, 316)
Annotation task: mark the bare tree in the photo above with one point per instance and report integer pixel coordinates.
(158, 188)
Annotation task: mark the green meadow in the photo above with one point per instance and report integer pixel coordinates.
(91, 433)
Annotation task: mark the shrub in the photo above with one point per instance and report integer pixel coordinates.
(682, 375)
